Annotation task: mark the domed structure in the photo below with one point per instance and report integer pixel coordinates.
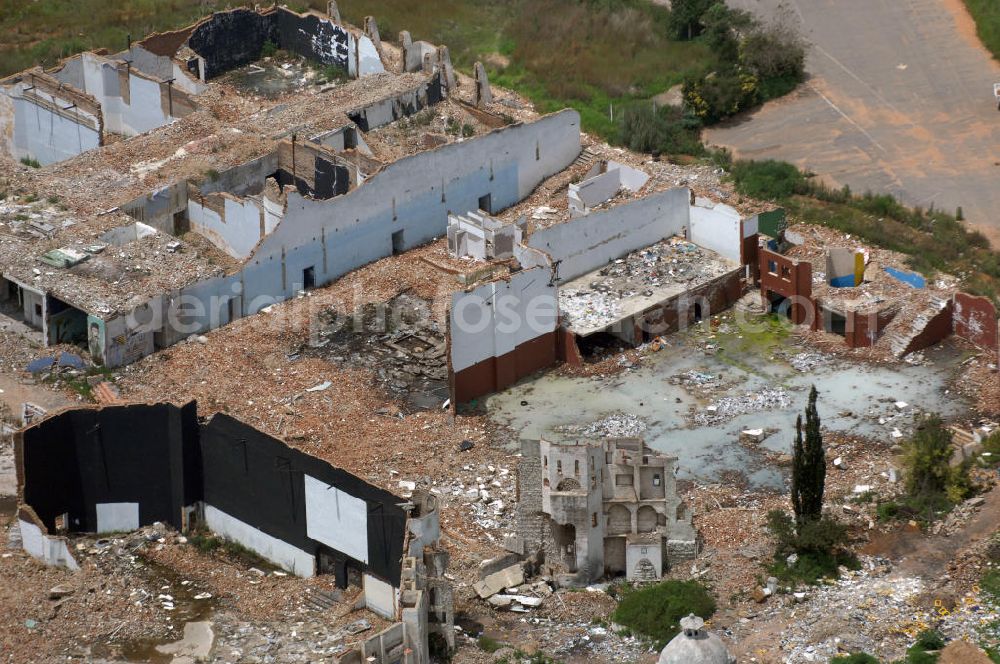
(695, 646)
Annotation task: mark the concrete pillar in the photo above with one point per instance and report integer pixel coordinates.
(447, 71)
(371, 29)
(333, 11)
(484, 95)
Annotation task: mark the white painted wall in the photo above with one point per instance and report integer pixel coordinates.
(497, 317)
(716, 226)
(117, 517)
(380, 597)
(47, 135)
(48, 549)
(237, 232)
(425, 187)
(336, 519)
(590, 242)
(278, 552)
(368, 61)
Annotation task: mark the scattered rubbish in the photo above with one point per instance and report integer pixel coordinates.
(321, 387)
(768, 398)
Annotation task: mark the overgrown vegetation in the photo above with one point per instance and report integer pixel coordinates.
(654, 612)
(31, 161)
(986, 13)
(207, 542)
(933, 239)
(856, 658)
(933, 486)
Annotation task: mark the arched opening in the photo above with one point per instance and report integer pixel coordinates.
(647, 518)
(568, 484)
(619, 520)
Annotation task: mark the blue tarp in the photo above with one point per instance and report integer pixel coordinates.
(71, 360)
(909, 278)
(41, 364)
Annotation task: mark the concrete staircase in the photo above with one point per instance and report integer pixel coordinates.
(901, 337)
(586, 158)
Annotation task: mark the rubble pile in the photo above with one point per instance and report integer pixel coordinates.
(587, 307)
(616, 425)
(768, 398)
(875, 611)
(397, 341)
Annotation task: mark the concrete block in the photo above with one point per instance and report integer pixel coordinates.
(510, 577)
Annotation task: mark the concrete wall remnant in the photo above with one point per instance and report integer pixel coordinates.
(602, 184)
(718, 227)
(845, 268)
(589, 242)
(501, 332)
(484, 95)
(975, 320)
(482, 237)
(783, 278)
(398, 106)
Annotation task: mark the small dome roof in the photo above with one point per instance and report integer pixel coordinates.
(695, 646)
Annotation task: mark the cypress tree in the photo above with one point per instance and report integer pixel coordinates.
(808, 465)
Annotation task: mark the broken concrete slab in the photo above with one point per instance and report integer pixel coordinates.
(510, 577)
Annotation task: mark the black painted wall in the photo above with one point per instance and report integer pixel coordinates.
(308, 36)
(260, 480)
(160, 457)
(232, 39)
(146, 454)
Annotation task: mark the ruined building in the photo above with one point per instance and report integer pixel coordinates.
(119, 468)
(602, 508)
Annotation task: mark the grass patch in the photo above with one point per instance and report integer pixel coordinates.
(207, 543)
(558, 53)
(857, 658)
(30, 161)
(654, 612)
(986, 14)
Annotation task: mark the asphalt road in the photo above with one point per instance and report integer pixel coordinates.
(899, 100)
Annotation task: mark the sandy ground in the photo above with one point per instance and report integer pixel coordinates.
(899, 100)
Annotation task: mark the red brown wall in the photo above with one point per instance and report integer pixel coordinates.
(789, 278)
(864, 329)
(498, 373)
(975, 320)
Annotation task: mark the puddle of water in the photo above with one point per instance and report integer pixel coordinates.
(187, 610)
(848, 392)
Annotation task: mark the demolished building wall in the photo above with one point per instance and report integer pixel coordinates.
(591, 241)
(601, 508)
(501, 332)
(118, 468)
(42, 119)
(975, 320)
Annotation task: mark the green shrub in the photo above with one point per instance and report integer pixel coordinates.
(770, 180)
(268, 49)
(887, 511)
(776, 54)
(857, 658)
(990, 584)
(31, 161)
(721, 94)
(488, 644)
(930, 640)
(819, 546)
(665, 130)
(655, 611)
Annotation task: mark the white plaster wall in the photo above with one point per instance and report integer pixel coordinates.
(238, 233)
(50, 550)
(716, 228)
(49, 137)
(358, 225)
(117, 517)
(380, 597)
(278, 552)
(633, 554)
(588, 243)
(495, 318)
(631, 178)
(368, 60)
(598, 189)
(336, 519)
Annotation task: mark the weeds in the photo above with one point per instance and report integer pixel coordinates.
(654, 612)
(30, 161)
